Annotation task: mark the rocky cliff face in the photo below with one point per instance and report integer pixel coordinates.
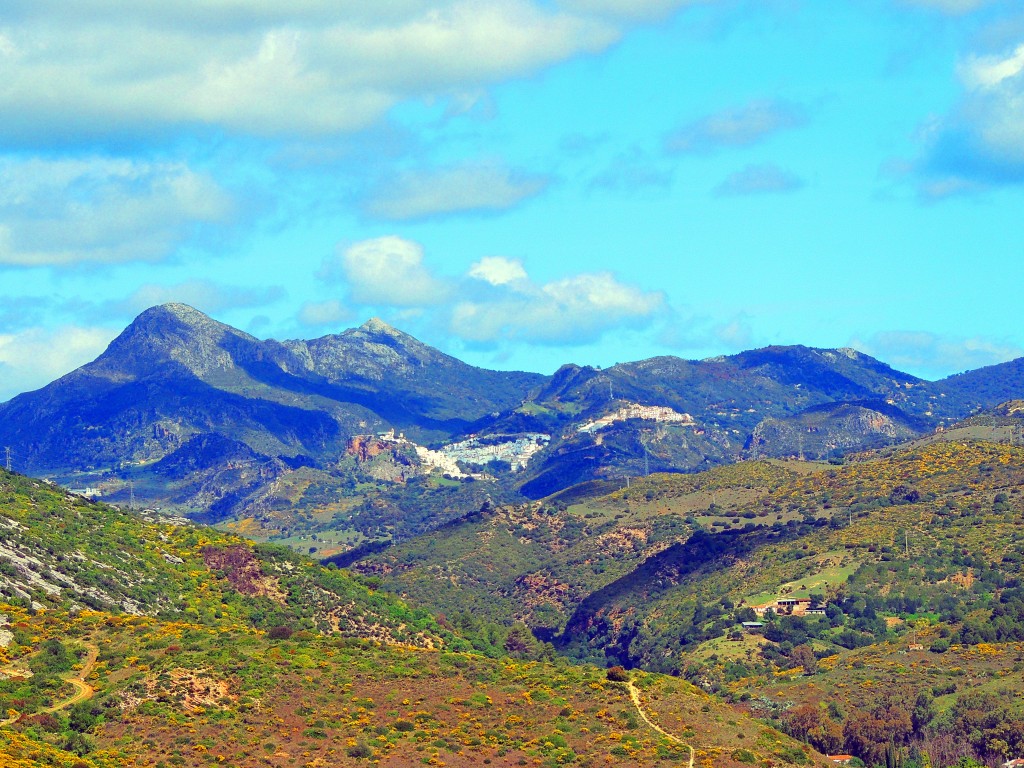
(821, 432)
(372, 351)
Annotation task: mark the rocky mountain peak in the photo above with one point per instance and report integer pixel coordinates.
(179, 310)
(173, 332)
(175, 317)
(376, 325)
(373, 350)
(376, 331)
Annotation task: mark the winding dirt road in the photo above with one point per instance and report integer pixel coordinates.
(84, 690)
(634, 694)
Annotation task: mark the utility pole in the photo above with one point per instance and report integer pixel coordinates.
(7, 454)
(644, 435)
(647, 455)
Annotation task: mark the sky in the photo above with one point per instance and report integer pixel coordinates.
(520, 183)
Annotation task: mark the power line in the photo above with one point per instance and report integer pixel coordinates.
(647, 455)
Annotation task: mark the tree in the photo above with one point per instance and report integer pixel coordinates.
(803, 655)
(519, 642)
(923, 712)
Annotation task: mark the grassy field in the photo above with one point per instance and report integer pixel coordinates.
(837, 567)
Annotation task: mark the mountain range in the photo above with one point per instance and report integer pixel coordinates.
(640, 565)
(800, 609)
(294, 438)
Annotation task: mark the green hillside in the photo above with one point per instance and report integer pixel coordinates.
(129, 643)
(920, 546)
(59, 551)
(537, 562)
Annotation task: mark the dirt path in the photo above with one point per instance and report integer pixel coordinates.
(634, 694)
(84, 690)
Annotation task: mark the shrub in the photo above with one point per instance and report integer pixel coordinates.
(360, 750)
(279, 633)
(617, 674)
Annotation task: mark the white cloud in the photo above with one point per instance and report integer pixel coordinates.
(101, 210)
(460, 189)
(497, 270)
(981, 143)
(935, 355)
(934, 189)
(36, 356)
(736, 127)
(759, 180)
(632, 171)
(323, 313)
(995, 106)
(305, 68)
(574, 310)
(989, 71)
(389, 271)
(690, 332)
(495, 301)
(735, 334)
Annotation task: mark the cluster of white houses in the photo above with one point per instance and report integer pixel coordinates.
(517, 450)
(660, 413)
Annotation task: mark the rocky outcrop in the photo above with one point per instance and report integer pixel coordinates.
(819, 432)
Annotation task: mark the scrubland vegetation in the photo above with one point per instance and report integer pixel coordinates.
(913, 555)
(250, 655)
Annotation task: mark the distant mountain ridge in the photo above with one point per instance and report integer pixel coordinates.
(195, 415)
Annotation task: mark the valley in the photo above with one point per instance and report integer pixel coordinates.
(270, 659)
(357, 550)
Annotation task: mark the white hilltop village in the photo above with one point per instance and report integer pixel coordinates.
(660, 413)
(517, 450)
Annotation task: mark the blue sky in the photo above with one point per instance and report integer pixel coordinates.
(521, 183)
